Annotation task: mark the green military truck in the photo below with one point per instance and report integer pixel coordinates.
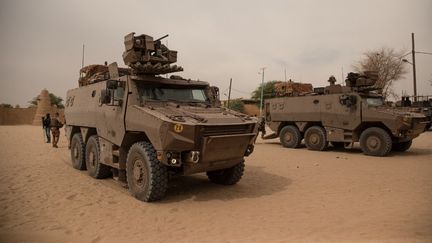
(141, 127)
(343, 115)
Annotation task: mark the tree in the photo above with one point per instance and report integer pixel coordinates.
(4, 105)
(55, 100)
(388, 63)
(237, 105)
(269, 90)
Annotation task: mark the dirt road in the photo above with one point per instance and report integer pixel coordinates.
(285, 195)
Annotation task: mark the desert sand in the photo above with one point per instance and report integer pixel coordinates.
(285, 195)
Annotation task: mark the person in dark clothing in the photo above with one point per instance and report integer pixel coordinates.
(46, 121)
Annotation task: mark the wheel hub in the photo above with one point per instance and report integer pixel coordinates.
(288, 137)
(75, 152)
(373, 143)
(138, 172)
(92, 159)
(314, 139)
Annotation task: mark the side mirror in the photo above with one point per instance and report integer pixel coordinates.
(215, 96)
(112, 84)
(215, 92)
(105, 96)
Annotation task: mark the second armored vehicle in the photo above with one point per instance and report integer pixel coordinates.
(421, 104)
(343, 115)
(142, 127)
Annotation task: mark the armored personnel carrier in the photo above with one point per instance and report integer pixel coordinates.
(420, 103)
(141, 128)
(343, 115)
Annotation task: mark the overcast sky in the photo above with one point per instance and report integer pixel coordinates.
(41, 41)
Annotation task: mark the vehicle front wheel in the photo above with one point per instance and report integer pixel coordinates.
(290, 137)
(402, 146)
(228, 176)
(94, 167)
(78, 152)
(375, 141)
(147, 178)
(316, 139)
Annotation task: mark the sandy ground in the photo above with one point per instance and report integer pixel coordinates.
(285, 195)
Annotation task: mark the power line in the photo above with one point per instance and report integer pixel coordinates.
(406, 54)
(423, 52)
(243, 92)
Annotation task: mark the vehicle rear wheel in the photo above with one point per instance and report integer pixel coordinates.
(375, 141)
(316, 139)
(228, 176)
(147, 178)
(78, 152)
(402, 146)
(94, 167)
(290, 137)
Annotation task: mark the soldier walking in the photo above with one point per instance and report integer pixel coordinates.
(55, 129)
(46, 127)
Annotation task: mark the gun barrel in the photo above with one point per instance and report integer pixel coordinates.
(163, 37)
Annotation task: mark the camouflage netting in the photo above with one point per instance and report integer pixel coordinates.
(291, 88)
(96, 73)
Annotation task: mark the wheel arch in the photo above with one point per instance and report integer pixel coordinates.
(365, 125)
(301, 125)
(87, 133)
(129, 139)
(284, 124)
(133, 137)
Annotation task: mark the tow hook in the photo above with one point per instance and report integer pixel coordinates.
(249, 150)
(193, 157)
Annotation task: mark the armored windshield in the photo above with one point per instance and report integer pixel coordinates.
(374, 101)
(172, 93)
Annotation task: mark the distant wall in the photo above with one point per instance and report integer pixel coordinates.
(19, 116)
(251, 109)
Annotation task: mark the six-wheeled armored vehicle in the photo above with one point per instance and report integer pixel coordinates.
(140, 127)
(342, 115)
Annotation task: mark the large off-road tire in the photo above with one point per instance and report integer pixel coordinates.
(316, 138)
(375, 141)
(402, 146)
(290, 137)
(147, 178)
(92, 154)
(78, 152)
(228, 176)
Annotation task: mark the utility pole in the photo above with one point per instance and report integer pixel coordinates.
(414, 68)
(342, 80)
(229, 93)
(82, 61)
(262, 90)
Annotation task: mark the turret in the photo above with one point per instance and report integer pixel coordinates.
(147, 56)
(366, 80)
